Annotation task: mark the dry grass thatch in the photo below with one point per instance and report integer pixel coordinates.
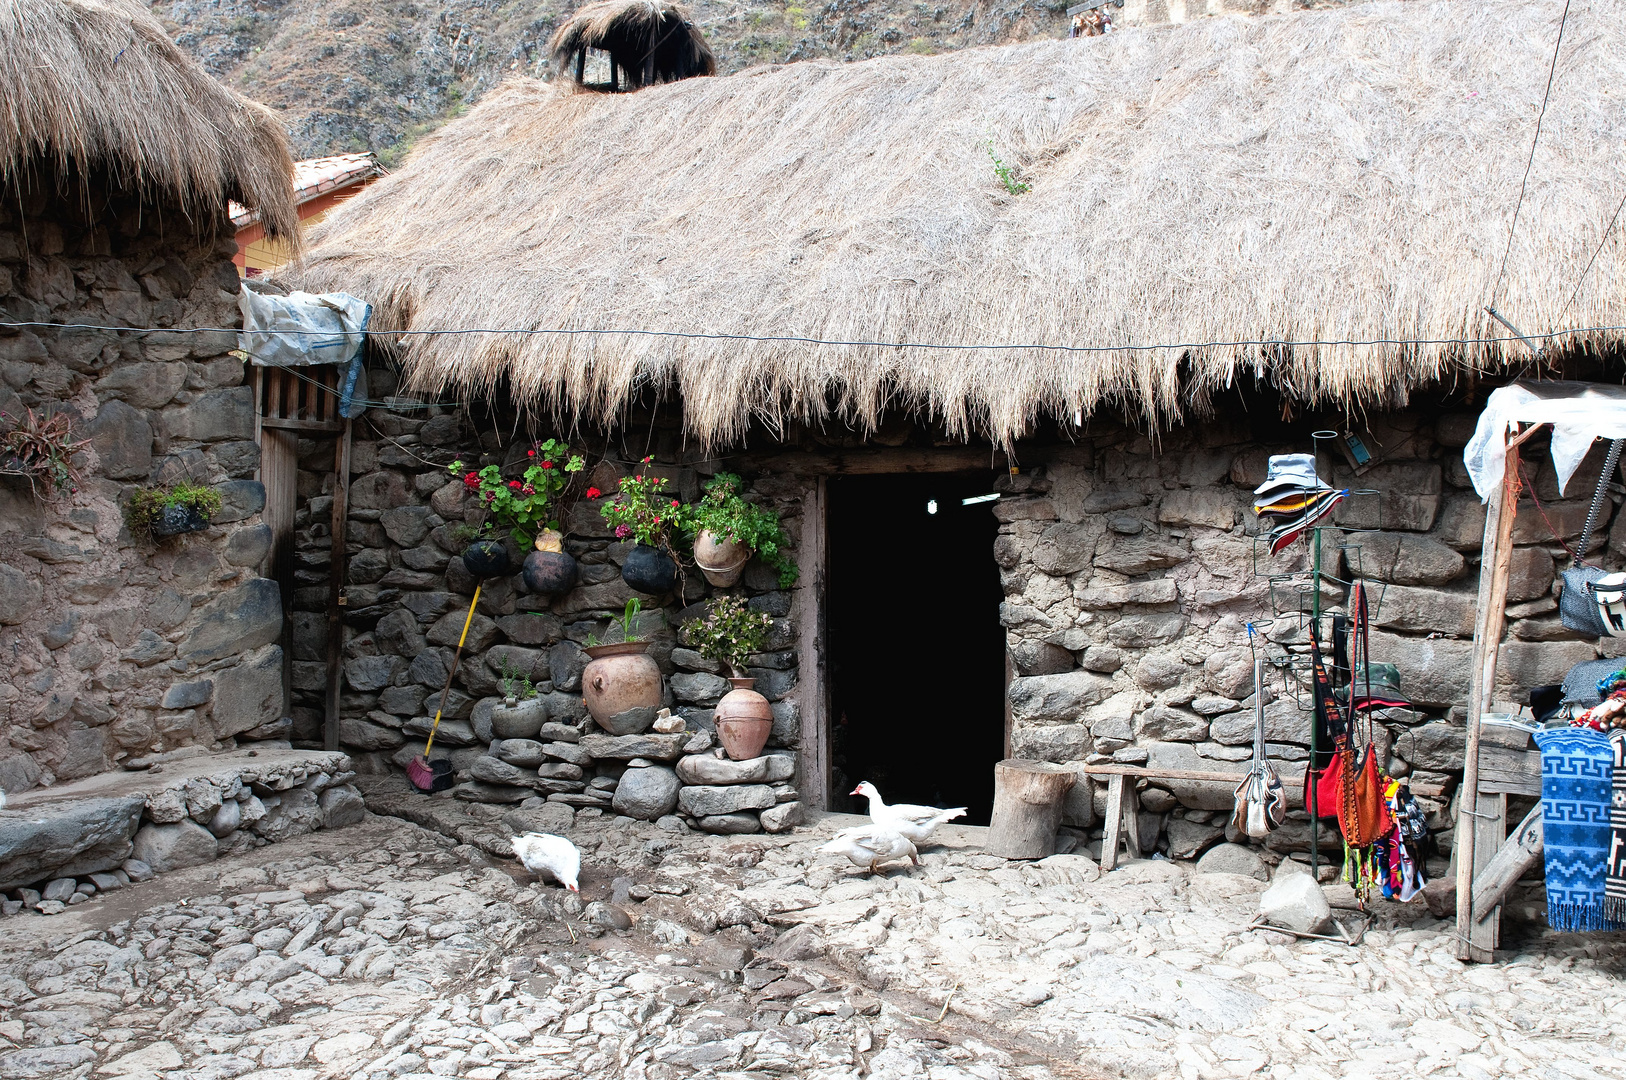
(97, 83)
(1323, 176)
(652, 41)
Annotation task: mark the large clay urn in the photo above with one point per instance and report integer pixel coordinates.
(649, 570)
(744, 721)
(549, 570)
(722, 560)
(621, 687)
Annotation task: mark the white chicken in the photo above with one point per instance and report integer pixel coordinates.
(548, 856)
(871, 845)
(914, 823)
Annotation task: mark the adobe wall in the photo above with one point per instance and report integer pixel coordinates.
(115, 648)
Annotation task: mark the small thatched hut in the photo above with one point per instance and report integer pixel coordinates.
(119, 156)
(647, 42)
(1103, 278)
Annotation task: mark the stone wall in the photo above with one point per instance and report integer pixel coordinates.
(407, 593)
(1130, 575)
(113, 647)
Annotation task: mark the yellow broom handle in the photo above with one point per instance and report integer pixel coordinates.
(455, 658)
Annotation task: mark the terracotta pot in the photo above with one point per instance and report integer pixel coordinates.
(722, 560)
(522, 720)
(649, 570)
(487, 559)
(549, 573)
(744, 721)
(621, 687)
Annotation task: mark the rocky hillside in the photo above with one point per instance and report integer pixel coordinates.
(374, 74)
(357, 75)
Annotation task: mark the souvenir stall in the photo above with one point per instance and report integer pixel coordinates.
(1579, 727)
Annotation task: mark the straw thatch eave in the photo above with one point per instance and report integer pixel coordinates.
(96, 84)
(653, 41)
(1328, 176)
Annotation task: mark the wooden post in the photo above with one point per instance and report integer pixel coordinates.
(335, 594)
(813, 687)
(1509, 863)
(279, 472)
(1476, 941)
(1122, 820)
(1028, 800)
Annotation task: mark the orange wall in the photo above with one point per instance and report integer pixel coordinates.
(258, 255)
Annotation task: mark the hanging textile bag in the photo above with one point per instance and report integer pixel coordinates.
(1261, 804)
(1578, 604)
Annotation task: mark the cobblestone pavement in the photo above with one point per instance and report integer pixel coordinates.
(385, 951)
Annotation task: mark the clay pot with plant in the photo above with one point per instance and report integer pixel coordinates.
(621, 685)
(522, 509)
(728, 633)
(161, 512)
(644, 513)
(522, 713)
(727, 530)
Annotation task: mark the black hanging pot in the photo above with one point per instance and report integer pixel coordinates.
(549, 573)
(649, 570)
(487, 559)
(174, 520)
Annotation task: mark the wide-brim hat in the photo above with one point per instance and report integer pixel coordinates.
(1377, 686)
(1287, 472)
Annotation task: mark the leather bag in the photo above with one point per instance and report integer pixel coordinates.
(1578, 604)
(1261, 804)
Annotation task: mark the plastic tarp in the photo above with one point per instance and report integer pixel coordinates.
(1579, 412)
(303, 329)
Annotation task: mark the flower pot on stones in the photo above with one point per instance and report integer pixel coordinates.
(722, 560)
(549, 573)
(744, 721)
(521, 720)
(487, 559)
(649, 570)
(621, 687)
(175, 520)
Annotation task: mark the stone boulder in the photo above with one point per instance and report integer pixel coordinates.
(730, 824)
(646, 793)
(782, 818)
(627, 747)
(61, 839)
(1056, 698)
(341, 806)
(525, 753)
(1295, 901)
(249, 694)
(706, 769)
(1053, 742)
(550, 817)
(708, 801)
(237, 620)
(20, 595)
(175, 847)
(1404, 559)
(1232, 859)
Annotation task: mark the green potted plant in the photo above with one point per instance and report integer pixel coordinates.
(522, 713)
(522, 509)
(621, 685)
(727, 531)
(645, 513)
(729, 632)
(182, 507)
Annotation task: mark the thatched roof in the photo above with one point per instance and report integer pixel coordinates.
(1338, 175)
(652, 41)
(98, 84)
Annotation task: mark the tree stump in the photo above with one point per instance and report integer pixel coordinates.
(1028, 801)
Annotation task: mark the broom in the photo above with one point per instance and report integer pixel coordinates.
(431, 776)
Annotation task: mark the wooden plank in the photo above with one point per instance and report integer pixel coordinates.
(1289, 784)
(1509, 864)
(279, 472)
(1131, 819)
(1114, 822)
(1476, 941)
(1490, 828)
(1506, 771)
(335, 595)
(1010, 673)
(327, 427)
(813, 689)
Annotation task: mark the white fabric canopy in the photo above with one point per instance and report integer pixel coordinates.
(1579, 412)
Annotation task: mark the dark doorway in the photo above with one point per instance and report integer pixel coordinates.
(915, 650)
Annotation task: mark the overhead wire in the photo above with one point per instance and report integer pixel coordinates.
(1609, 229)
(1524, 184)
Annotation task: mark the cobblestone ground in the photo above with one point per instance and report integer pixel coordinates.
(385, 951)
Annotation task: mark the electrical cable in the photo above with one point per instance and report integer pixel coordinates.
(1595, 253)
(797, 339)
(1523, 184)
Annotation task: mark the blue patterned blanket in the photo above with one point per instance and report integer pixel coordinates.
(1577, 767)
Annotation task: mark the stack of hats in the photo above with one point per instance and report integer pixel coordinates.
(1293, 498)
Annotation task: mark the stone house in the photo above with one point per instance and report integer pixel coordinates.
(117, 162)
(1101, 279)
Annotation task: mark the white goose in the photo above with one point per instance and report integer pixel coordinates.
(549, 856)
(915, 823)
(871, 845)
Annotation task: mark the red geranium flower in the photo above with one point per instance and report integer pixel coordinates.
(593, 493)
(647, 460)
(674, 502)
(515, 484)
(547, 464)
(530, 453)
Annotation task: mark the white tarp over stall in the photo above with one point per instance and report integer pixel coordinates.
(1579, 413)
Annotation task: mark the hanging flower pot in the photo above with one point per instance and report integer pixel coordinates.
(649, 570)
(487, 559)
(175, 520)
(722, 560)
(744, 721)
(621, 687)
(549, 570)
